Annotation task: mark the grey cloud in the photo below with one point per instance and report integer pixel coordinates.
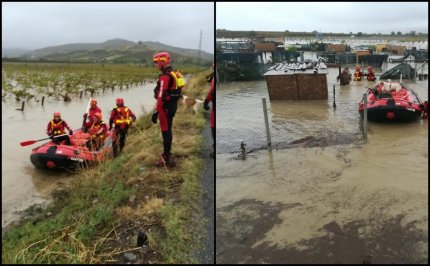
(328, 17)
(36, 25)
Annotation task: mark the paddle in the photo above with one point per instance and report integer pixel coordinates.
(86, 113)
(29, 142)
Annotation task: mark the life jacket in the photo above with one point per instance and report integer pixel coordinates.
(92, 112)
(57, 128)
(357, 75)
(371, 76)
(122, 116)
(179, 80)
(96, 127)
(176, 84)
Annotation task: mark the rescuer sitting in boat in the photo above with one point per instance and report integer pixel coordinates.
(90, 115)
(344, 77)
(357, 73)
(98, 133)
(56, 127)
(370, 74)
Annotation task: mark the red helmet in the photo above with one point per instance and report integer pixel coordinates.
(94, 101)
(119, 101)
(98, 115)
(369, 68)
(57, 114)
(357, 68)
(161, 59)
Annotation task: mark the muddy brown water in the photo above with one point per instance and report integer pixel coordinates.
(22, 184)
(240, 115)
(347, 203)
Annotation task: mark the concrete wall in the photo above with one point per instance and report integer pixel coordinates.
(297, 87)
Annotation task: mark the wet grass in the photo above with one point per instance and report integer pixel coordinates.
(99, 217)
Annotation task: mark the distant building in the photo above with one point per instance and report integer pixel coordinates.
(265, 52)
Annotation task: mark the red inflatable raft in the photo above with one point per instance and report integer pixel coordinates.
(50, 155)
(403, 105)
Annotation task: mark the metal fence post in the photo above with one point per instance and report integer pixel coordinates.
(266, 122)
(334, 96)
(365, 118)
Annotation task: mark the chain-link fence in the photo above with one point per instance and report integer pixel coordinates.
(288, 124)
(240, 122)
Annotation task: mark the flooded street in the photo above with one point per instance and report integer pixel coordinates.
(240, 115)
(22, 184)
(345, 203)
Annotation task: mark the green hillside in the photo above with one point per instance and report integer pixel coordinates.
(115, 51)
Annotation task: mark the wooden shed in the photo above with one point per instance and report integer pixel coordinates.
(297, 86)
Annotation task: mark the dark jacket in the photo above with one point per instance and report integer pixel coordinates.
(344, 77)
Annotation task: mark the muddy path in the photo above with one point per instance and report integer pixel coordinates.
(22, 184)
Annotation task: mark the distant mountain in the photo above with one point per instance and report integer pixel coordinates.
(12, 52)
(67, 48)
(116, 51)
(183, 51)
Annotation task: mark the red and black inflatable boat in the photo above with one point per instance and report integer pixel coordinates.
(403, 105)
(51, 155)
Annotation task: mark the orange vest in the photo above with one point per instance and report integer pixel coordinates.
(57, 128)
(122, 116)
(96, 127)
(357, 75)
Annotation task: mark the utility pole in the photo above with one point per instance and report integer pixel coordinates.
(199, 55)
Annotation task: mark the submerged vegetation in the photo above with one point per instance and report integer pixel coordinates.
(99, 217)
(32, 81)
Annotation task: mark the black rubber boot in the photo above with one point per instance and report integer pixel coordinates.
(165, 160)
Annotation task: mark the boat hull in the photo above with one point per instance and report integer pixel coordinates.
(49, 161)
(53, 156)
(387, 113)
(403, 105)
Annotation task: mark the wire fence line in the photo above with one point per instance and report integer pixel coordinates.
(288, 124)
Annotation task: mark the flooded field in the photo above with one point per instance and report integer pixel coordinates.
(347, 203)
(240, 115)
(22, 184)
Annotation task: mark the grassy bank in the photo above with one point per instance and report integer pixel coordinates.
(97, 220)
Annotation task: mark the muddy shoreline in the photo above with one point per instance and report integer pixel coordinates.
(323, 205)
(392, 243)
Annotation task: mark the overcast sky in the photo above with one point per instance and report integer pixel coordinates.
(367, 17)
(38, 25)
